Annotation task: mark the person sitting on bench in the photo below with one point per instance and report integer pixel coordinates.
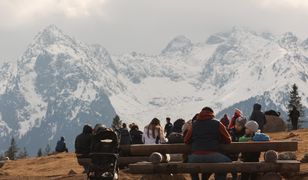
(205, 134)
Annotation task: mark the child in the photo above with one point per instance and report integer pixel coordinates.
(239, 129)
(236, 132)
(251, 128)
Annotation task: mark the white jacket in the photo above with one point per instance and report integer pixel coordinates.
(149, 139)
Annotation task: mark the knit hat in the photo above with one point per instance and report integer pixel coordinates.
(241, 121)
(252, 125)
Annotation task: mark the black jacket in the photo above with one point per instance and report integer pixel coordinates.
(83, 141)
(125, 136)
(258, 116)
(83, 144)
(136, 136)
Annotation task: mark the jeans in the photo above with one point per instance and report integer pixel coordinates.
(208, 158)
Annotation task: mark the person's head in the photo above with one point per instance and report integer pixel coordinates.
(134, 127)
(238, 112)
(240, 123)
(98, 127)
(87, 129)
(124, 125)
(155, 123)
(251, 127)
(62, 138)
(131, 125)
(168, 119)
(206, 113)
(257, 107)
(177, 125)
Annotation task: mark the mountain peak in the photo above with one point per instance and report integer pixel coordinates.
(178, 44)
(50, 35)
(288, 40)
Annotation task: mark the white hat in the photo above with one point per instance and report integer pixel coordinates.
(252, 125)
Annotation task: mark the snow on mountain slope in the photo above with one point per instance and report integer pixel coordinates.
(60, 83)
(229, 68)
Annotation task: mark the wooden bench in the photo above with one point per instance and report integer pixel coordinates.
(250, 167)
(280, 166)
(235, 147)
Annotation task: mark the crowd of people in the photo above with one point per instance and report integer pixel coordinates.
(203, 132)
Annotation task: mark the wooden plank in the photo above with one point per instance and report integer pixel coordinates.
(235, 147)
(132, 159)
(279, 166)
(122, 160)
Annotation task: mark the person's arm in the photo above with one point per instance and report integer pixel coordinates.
(143, 137)
(188, 136)
(224, 134)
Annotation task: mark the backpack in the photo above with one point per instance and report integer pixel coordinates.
(272, 113)
(175, 138)
(261, 137)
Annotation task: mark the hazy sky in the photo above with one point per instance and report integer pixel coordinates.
(123, 26)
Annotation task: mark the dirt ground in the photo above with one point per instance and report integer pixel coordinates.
(65, 166)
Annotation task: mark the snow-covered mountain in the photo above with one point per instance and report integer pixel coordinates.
(60, 83)
(231, 69)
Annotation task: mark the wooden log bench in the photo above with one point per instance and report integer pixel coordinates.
(279, 166)
(249, 167)
(235, 147)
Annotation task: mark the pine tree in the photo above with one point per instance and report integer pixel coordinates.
(47, 150)
(23, 154)
(295, 101)
(13, 149)
(116, 123)
(39, 152)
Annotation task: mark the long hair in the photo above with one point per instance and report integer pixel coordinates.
(155, 123)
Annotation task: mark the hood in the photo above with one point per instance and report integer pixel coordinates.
(257, 107)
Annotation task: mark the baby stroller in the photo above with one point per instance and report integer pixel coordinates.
(104, 156)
